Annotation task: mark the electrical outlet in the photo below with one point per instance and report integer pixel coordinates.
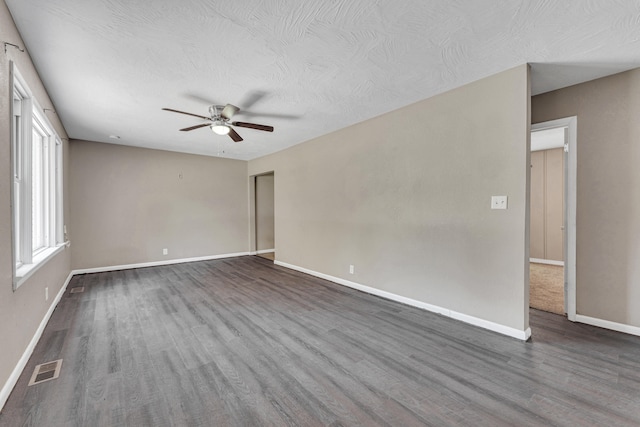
(165, 251)
(351, 269)
(46, 294)
(498, 202)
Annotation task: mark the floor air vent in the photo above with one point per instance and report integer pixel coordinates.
(45, 372)
(77, 290)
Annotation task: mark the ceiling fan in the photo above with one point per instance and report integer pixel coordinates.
(220, 121)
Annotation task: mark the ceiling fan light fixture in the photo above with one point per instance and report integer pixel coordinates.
(220, 121)
(220, 128)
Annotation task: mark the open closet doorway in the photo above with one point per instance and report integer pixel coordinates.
(264, 216)
(552, 217)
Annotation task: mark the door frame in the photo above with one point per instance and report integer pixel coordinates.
(570, 124)
(253, 217)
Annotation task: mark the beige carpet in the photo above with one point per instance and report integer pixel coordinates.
(546, 287)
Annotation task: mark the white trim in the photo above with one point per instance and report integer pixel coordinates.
(156, 263)
(571, 183)
(253, 241)
(22, 150)
(26, 270)
(33, 119)
(546, 261)
(492, 326)
(264, 251)
(607, 324)
(17, 371)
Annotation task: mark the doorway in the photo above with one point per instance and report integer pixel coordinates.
(552, 284)
(264, 215)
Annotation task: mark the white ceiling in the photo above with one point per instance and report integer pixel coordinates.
(306, 67)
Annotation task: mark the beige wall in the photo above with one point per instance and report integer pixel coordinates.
(608, 200)
(22, 311)
(265, 237)
(129, 203)
(405, 198)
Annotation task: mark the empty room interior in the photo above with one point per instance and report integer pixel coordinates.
(320, 213)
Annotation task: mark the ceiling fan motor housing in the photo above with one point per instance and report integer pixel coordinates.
(219, 121)
(216, 111)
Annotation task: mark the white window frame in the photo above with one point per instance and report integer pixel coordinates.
(27, 117)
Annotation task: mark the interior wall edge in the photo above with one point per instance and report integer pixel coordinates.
(606, 158)
(22, 362)
(265, 251)
(475, 321)
(607, 324)
(184, 205)
(412, 187)
(24, 311)
(156, 263)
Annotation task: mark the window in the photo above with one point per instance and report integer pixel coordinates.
(37, 183)
(39, 187)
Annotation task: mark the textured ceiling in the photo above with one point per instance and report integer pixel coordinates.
(307, 68)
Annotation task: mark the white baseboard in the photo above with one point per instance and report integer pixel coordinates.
(492, 326)
(606, 324)
(546, 261)
(264, 251)
(156, 263)
(17, 370)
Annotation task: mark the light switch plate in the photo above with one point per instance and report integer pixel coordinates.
(498, 202)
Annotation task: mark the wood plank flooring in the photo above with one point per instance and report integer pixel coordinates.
(268, 255)
(242, 342)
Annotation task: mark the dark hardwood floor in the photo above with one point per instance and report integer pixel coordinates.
(241, 342)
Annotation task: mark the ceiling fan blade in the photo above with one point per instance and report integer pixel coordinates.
(253, 126)
(234, 135)
(201, 99)
(189, 114)
(228, 111)
(196, 127)
(252, 97)
(250, 114)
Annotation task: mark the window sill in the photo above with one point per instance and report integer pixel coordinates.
(25, 271)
